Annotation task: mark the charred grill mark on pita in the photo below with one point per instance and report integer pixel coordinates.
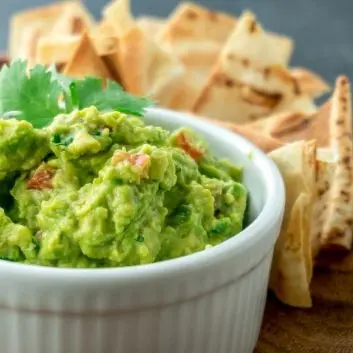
(252, 26)
(345, 196)
(213, 16)
(267, 72)
(340, 209)
(229, 83)
(78, 25)
(245, 62)
(296, 88)
(191, 14)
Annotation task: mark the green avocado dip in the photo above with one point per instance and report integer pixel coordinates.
(105, 190)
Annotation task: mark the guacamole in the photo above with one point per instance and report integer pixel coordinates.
(103, 189)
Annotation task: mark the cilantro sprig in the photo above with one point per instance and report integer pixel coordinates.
(39, 94)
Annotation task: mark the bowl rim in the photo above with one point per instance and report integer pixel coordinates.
(270, 215)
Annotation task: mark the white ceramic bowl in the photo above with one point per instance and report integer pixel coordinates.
(209, 302)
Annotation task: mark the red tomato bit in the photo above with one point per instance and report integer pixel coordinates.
(187, 146)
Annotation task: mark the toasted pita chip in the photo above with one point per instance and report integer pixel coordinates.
(302, 104)
(292, 264)
(196, 36)
(309, 83)
(145, 67)
(265, 142)
(325, 167)
(59, 49)
(337, 230)
(28, 26)
(74, 19)
(41, 19)
(191, 22)
(103, 29)
(250, 77)
(289, 277)
(86, 62)
(295, 126)
(151, 25)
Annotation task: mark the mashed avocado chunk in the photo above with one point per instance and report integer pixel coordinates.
(104, 190)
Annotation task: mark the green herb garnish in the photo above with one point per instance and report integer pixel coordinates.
(140, 239)
(58, 140)
(89, 91)
(34, 95)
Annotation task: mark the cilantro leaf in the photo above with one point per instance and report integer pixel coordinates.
(33, 95)
(41, 93)
(90, 91)
(64, 83)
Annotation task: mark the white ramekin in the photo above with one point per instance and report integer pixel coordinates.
(209, 302)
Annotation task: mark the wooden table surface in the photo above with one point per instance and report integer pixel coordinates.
(325, 328)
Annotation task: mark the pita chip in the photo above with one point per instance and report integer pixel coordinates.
(86, 61)
(292, 266)
(59, 49)
(27, 27)
(337, 229)
(41, 19)
(289, 277)
(191, 21)
(309, 83)
(145, 68)
(294, 126)
(265, 142)
(151, 25)
(74, 19)
(250, 76)
(196, 36)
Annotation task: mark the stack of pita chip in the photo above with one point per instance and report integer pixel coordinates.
(197, 60)
(319, 202)
(28, 27)
(117, 48)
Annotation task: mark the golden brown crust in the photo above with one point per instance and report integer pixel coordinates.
(295, 126)
(191, 20)
(59, 49)
(145, 68)
(249, 82)
(309, 82)
(86, 61)
(337, 230)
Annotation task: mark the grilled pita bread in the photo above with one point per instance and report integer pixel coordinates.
(292, 266)
(151, 25)
(27, 27)
(196, 36)
(59, 49)
(295, 126)
(309, 83)
(86, 61)
(250, 77)
(145, 67)
(325, 167)
(74, 19)
(265, 142)
(337, 230)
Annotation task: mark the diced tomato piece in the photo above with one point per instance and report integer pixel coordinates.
(120, 156)
(186, 145)
(41, 179)
(140, 160)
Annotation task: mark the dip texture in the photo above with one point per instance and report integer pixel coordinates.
(104, 189)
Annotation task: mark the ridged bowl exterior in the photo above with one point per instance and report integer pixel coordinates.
(211, 302)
